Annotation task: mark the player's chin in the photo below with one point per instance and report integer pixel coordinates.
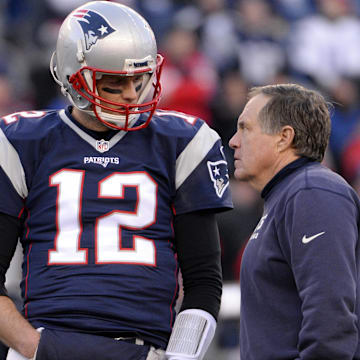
(239, 173)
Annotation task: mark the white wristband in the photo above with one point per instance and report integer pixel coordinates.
(191, 336)
(14, 355)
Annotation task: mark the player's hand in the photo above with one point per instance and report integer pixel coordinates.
(14, 355)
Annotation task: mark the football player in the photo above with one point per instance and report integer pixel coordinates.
(110, 198)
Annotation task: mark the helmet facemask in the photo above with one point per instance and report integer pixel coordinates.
(123, 116)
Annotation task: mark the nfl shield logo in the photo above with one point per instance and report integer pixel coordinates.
(102, 145)
(219, 176)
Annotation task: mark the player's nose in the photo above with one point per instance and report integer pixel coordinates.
(234, 142)
(129, 92)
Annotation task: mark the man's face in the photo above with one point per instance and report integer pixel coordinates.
(255, 153)
(120, 89)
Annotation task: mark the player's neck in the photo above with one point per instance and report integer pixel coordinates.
(88, 121)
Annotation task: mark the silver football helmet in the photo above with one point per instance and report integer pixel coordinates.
(103, 37)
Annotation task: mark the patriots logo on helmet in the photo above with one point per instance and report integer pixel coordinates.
(93, 25)
(219, 176)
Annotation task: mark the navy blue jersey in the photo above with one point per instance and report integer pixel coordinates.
(300, 271)
(98, 249)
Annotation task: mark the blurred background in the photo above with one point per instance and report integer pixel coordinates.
(214, 51)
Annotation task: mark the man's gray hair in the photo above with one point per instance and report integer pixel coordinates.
(306, 111)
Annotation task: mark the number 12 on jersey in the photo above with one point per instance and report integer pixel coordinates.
(108, 249)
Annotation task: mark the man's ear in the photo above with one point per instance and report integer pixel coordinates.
(286, 138)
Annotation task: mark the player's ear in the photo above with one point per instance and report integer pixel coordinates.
(286, 138)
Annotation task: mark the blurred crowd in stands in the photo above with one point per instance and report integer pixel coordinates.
(214, 51)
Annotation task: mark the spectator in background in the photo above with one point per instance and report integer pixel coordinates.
(292, 10)
(225, 107)
(351, 161)
(345, 116)
(6, 96)
(159, 12)
(189, 77)
(15, 87)
(326, 46)
(214, 21)
(260, 41)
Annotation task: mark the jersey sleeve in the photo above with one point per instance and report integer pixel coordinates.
(12, 178)
(202, 178)
(319, 238)
(20, 150)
